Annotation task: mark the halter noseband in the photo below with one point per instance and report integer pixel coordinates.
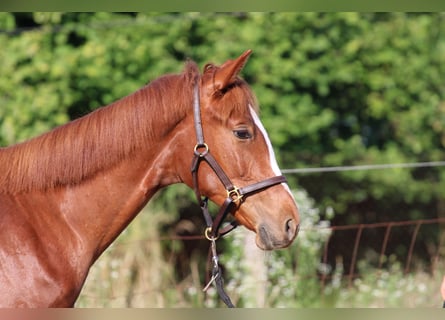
(234, 194)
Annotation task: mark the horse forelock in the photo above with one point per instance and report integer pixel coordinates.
(81, 148)
(236, 100)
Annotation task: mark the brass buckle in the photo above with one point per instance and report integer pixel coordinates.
(234, 194)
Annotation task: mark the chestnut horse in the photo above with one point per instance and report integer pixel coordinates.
(67, 194)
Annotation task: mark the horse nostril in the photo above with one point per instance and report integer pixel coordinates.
(291, 228)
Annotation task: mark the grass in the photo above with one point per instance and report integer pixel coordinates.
(134, 273)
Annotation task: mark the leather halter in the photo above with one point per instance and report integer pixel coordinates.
(234, 194)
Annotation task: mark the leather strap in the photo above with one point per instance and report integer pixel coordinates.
(259, 186)
(234, 195)
(197, 116)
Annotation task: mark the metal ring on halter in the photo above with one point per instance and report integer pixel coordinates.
(208, 236)
(199, 146)
(234, 194)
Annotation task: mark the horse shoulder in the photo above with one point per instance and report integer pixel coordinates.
(36, 270)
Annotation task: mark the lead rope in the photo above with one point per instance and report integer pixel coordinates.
(216, 278)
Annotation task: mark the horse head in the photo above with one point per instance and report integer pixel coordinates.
(240, 146)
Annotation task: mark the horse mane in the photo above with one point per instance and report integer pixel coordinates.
(78, 150)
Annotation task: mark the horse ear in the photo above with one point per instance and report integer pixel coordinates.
(227, 73)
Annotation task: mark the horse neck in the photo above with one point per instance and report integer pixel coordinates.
(121, 191)
(100, 209)
(102, 204)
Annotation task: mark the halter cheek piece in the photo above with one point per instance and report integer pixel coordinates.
(234, 195)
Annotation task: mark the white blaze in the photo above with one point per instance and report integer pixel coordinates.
(272, 159)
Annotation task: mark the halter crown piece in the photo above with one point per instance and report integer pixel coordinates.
(234, 196)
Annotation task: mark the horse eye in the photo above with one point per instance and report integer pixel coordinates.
(243, 134)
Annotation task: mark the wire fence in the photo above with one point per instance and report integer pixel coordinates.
(388, 227)
(348, 276)
(428, 164)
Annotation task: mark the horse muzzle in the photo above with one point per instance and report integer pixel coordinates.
(269, 238)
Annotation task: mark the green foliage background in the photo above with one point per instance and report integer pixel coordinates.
(334, 89)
